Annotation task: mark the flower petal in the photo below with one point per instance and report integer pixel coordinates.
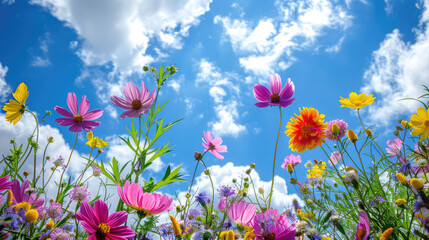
(84, 106)
(92, 115)
(119, 102)
(101, 211)
(65, 121)
(63, 112)
(72, 103)
(261, 93)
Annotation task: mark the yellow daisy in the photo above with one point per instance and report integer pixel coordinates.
(357, 101)
(95, 141)
(15, 109)
(420, 122)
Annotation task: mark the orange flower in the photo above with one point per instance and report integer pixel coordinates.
(307, 130)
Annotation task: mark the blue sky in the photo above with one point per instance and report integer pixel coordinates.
(221, 49)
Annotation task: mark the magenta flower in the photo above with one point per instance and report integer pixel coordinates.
(4, 183)
(362, 229)
(137, 102)
(19, 194)
(292, 160)
(55, 211)
(395, 147)
(100, 226)
(145, 203)
(277, 96)
(213, 145)
(271, 225)
(335, 157)
(79, 194)
(79, 118)
(242, 213)
(336, 136)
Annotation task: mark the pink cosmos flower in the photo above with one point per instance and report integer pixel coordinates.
(395, 147)
(79, 118)
(4, 183)
(335, 157)
(277, 96)
(336, 136)
(363, 228)
(222, 204)
(271, 225)
(213, 145)
(100, 226)
(138, 102)
(147, 203)
(291, 159)
(19, 194)
(242, 213)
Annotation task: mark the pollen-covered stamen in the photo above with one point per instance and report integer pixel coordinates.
(275, 98)
(211, 146)
(427, 123)
(361, 233)
(78, 118)
(103, 229)
(270, 236)
(136, 104)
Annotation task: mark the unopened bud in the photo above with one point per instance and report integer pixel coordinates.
(187, 195)
(145, 68)
(399, 128)
(335, 184)
(293, 181)
(289, 168)
(246, 185)
(173, 69)
(25, 173)
(335, 146)
(152, 69)
(50, 139)
(206, 172)
(198, 156)
(246, 179)
(248, 171)
(48, 112)
(252, 165)
(261, 190)
(100, 151)
(368, 132)
(315, 161)
(244, 194)
(234, 180)
(352, 136)
(396, 133)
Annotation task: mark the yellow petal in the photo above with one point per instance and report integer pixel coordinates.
(423, 113)
(21, 93)
(13, 118)
(353, 96)
(89, 135)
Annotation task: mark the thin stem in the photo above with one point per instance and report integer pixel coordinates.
(211, 182)
(35, 149)
(68, 161)
(274, 160)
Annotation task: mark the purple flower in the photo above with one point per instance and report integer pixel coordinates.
(79, 118)
(60, 234)
(395, 147)
(59, 162)
(335, 157)
(226, 191)
(271, 225)
(79, 194)
(202, 197)
(363, 228)
(96, 171)
(277, 96)
(194, 212)
(342, 131)
(137, 102)
(4, 183)
(406, 166)
(213, 145)
(19, 194)
(377, 199)
(291, 159)
(54, 211)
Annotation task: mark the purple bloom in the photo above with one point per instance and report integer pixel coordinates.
(336, 136)
(59, 162)
(222, 204)
(271, 225)
(79, 118)
(137, 102)
(363, 228)
(19, 195)
(395, 147)
(194, 212)
(406, 166)
(60, 234)
(213, 145)
(226, 191)
(54, 211)
(277, 96)
(291, 159)
(4, 183)
(96, 171)
(335, 157)
(202, 198)
(79, 194)
(377, 199)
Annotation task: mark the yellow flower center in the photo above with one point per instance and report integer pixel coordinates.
(361, 233)
(427, 123)
(31, 216)
(136, 104)
(275, 98)
(103, 229)
(78, 118)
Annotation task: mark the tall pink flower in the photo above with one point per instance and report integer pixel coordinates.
(242, 213)
(395, 147)
(363, 228)
(145, 203)
(271, 225)
(276, 96)
(4, 183)
(335, 157)
(292, 160)
(100, 226)
(19, 194)
(79, 118)
(213, 145)
(137, 102)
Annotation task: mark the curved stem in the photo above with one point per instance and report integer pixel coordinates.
(35, 148)
(274, 160)
(68, 161)
(211, 182)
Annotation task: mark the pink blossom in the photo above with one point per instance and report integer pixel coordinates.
(99, 225)
(276, 96)
(242, 213)
(79, 118)
(335, 157)
(271, 225)
(363, 228)
(395, 147)
(147, 203)
(222, 204)
(291, 159)
(213, 145)
(19, 195)
(4, 183)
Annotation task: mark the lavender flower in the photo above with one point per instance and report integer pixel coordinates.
(79, 194)
(60, 234)
(54, 211)
(96, 171)
(59, 162)
(202, 198)
(342, 131)
(226, 191)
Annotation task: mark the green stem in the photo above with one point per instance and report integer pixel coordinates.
(274, 160)
(211, 182)
(35, 149)
(68, 161)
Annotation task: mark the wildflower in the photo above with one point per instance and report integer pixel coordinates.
(336, 129)
(307, 131)
(99, 225)
(25, 173)
(276, 96)
(400, 201)
(138, 102)
(59, 162)
(261, 190)
(368, 132)
(315, 172)
(213, 145)
(95, 141)
(249, 234)
(15, 109)
(357, 101)
(4, 183)
(420, 122)
(50, 225)
(395, 147)
(291, 159)
(352, 136)
(176, 226)
(271, 225)
(242, 213)
(19, 195)
(9, 200)
(31, 215)
(202, 197)
(222, 204)
(79, 194)
(79, 118)
(226, 191)
(386, 234)
(96, 171)
(401, 178)
(60, 234)
(377, 199)
(416, 183)
(326, 238)
(54, 211)
(289, 168)
(363, 228)
(145, 203)
(227, 235)
(335, 157)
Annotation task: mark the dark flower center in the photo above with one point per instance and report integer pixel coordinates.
(211, 146)
(360, 233)
(275, 98)
(136, 104)
(103, 229)
(78, 118)
(427, 123)
(270, 236)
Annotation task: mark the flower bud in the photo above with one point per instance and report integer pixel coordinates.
(386, 234)
(396, 133)
(252, 165)
(293, 181)
(25, 173)
(50, 225)
(289, 168)
(48, 112)
(173, 69)
(248, 171)
(234, 180)
(261, 190)
(198, 156)
(206, 172)
(12, 141)
(400, 202)
(335, 146)
(50, 139)
(246, 179)
(335, 184)
(246, 185)
(416, 183)
(368, 132)
(401, 178)
(399, 128)
(9, 197)
(152, 69)
(145, 68)
(352, 136)
(100, 151)
(187, 195)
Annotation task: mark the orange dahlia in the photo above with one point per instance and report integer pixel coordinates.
(307, 130)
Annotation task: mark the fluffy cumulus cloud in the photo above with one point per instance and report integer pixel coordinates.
(43, 59)
(224, 91)
(397, 71)
(269, 43)
(4, 87)
(223, 175)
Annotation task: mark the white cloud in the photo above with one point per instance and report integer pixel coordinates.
(8, 2)
(176, 83)
(40, 62)
(262, 45)
(398, 70)
(43, 61)
(4, 87)
(337, 47)
(227, 124)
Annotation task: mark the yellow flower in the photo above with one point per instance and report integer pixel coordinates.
(402, 179)
(50, 225)
(23, 205)
(352, 136)
(357, 101)
(386, 234)
(400, 201)
(416, 183)
(351, 168)
(315, 172)
(326, 238)
(368, 132)
(15, 109)
(420, 122)
(404, 123)
(249, 235)
(95, 141)
(227, 235)
(176, 226)
(9, 200)
(32, 215)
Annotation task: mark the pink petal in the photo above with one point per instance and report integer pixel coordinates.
(131, 92)
(261, 104)
(119, 102)
(221, 148)
(216, 154)
(217, 141)
(65, 121)
(261, 93)
(275, 84)
(72, 103)
(122, 231)
(287, 102)
(144, 92)
(86, 214)
(288, 90)
(208, 136)
(63, 112)
(130, 113)
(101, 211)
(75, 128)
(84, 106)
(92, 115)
(117, 218)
